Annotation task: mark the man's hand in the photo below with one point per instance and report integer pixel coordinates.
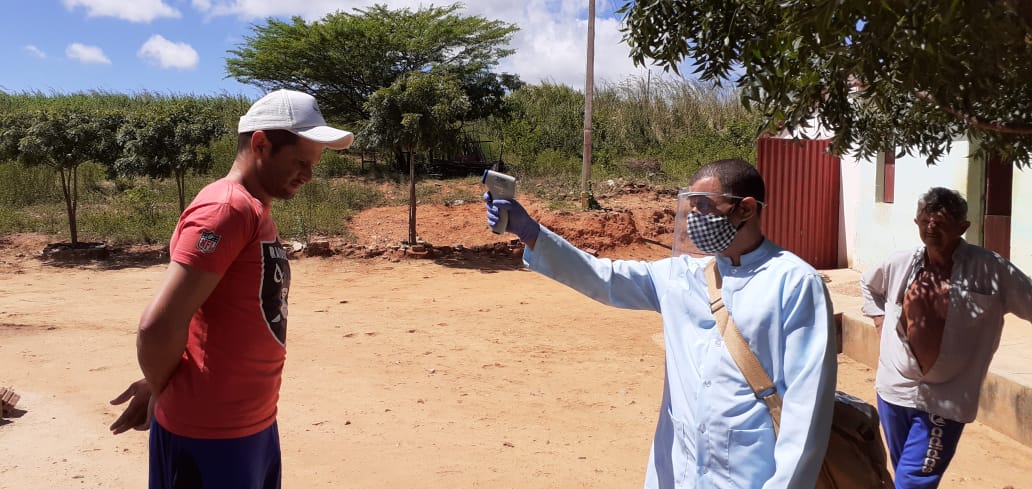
(520, 223)
(878, 320)
(137, 414)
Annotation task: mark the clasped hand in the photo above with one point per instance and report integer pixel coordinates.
(520, 223)
(138, 413)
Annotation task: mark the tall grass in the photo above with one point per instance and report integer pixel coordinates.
(663, 129)
(660, 130)
(22, 186)
(322, 208)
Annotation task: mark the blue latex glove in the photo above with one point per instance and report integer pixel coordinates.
(520, 223)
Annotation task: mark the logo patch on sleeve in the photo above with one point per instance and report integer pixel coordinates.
(208, 241)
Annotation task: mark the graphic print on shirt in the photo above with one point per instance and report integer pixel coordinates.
(275, 288)
(208, 241)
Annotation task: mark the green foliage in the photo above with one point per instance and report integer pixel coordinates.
(321, 208)
(12, 221)
(39, 218)
(345, 57)
(93, 178)
(131, 219)
(64, 139)
(685, 156)
(641, 127)
(544, 117)
(223, 152)
(908, 75)
(22, 186)
(13, 125)
(143, 202)
(419, 112)
(644, 129)
(335, 164)
(168, 140)
(552, 162)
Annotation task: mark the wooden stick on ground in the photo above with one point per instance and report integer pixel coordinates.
(8, 399)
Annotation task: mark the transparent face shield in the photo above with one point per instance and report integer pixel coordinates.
(702, 226)
(682, 243)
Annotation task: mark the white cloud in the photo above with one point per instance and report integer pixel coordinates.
(36, 52)
(310, 10)
(550, 46)
(132, 11)
(202, 5)
(168, 54)
(552, 42)
(86, 54)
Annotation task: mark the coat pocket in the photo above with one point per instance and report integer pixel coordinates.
(682, 456)
(750, 457)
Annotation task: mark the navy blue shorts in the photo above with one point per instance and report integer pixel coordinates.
(178, 462)
(921, 445)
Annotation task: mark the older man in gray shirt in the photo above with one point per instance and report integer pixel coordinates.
(939, 309)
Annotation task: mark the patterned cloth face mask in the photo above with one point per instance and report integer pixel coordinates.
(711, 233)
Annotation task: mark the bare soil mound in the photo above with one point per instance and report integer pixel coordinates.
(632, 223)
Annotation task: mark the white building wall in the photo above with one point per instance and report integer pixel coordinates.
(1021, 231)
(870, 229)
(849, 208)
(873, 229)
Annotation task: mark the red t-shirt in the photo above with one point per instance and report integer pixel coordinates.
(227, 383)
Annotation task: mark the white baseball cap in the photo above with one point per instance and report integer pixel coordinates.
(296, 112)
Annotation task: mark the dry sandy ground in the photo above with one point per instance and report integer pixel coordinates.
(458, 372)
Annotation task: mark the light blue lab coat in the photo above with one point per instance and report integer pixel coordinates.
(712, 431)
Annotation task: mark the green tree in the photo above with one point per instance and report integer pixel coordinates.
(421, 112)
(63, 139)
(547, 117)
(906, 74)
(346, 57)
(170, 139)
(13, 125)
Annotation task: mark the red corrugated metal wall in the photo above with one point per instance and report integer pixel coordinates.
(803, 189)
(999, 179)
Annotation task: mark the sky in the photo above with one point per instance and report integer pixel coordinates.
(180, 46)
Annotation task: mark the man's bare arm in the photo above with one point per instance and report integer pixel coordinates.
(165, 323)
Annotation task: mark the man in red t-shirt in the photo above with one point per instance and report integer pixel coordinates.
(211, 343)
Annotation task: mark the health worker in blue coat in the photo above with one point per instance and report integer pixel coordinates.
(713, 431)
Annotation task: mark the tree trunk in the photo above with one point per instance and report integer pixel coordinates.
(70, 188)
(399, 160)
(412, 197)
(180, 183)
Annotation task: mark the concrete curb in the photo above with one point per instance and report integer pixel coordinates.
(1004, 404)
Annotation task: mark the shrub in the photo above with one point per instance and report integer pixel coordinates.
(21, 185)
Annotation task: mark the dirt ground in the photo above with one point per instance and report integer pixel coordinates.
(457, 369)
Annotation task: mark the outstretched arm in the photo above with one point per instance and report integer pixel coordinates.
(621, 283)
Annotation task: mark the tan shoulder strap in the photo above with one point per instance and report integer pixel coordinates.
(763, 388)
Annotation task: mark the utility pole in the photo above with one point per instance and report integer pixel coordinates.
(589, 92)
